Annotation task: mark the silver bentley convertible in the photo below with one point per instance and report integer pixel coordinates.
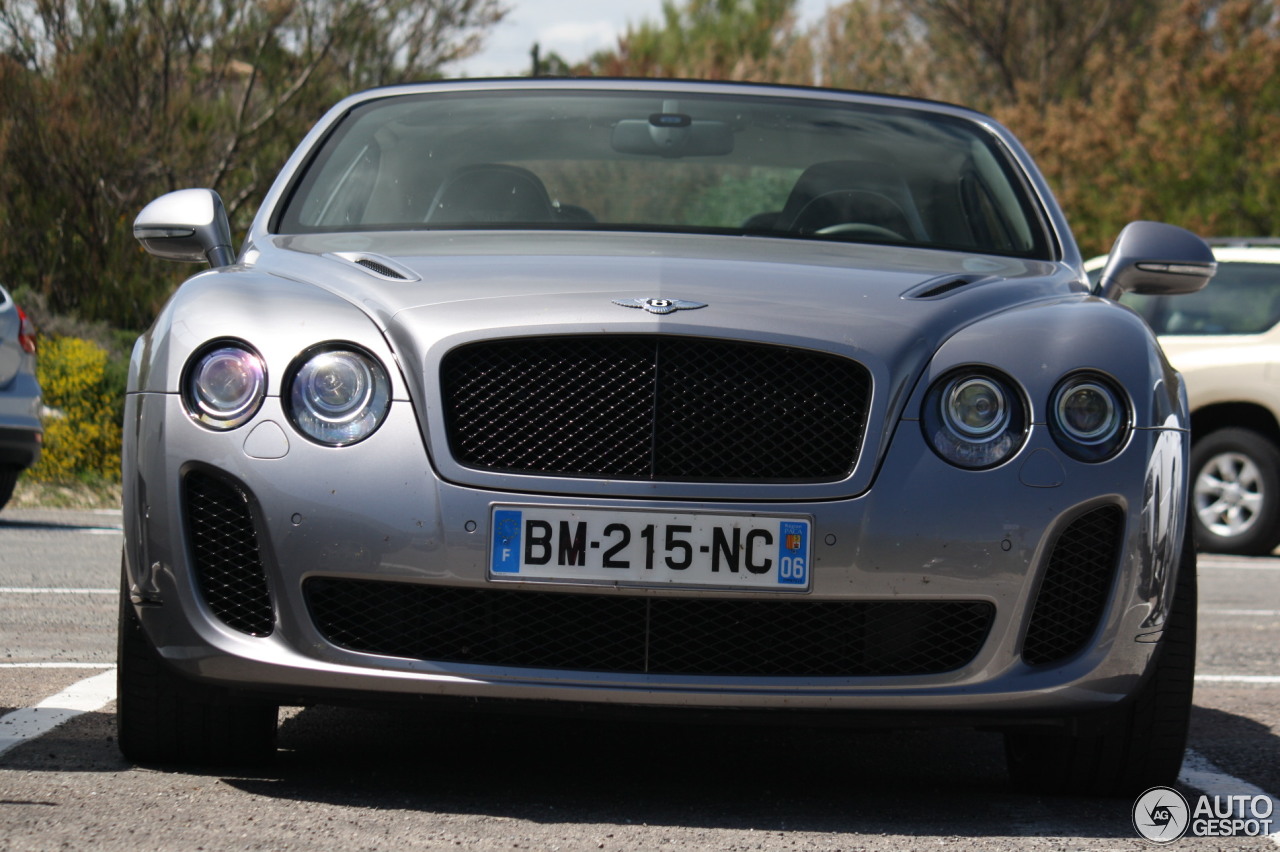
(660, 397)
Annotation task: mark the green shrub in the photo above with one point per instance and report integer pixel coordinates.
(83, 389)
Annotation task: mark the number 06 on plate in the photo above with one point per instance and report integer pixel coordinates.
(622, 547)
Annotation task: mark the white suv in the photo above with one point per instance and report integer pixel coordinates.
(1226, 341)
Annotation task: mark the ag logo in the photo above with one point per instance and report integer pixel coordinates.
(660, 306)
(1161, 815)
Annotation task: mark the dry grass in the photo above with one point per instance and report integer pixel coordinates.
(30, 494)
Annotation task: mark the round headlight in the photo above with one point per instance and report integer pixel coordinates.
(225, 385)
(976, 408)
(974, 419)
(338, 396)
(1089, 418)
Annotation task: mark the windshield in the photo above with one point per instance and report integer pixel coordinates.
(735, 164)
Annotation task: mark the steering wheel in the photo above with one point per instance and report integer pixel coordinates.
(862, 229)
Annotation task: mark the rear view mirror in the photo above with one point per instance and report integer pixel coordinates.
(672, 134)
(1154, 259)
(188, 225)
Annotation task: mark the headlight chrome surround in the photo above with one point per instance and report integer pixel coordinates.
(975, 418)
(337, 394)
(1090, 418)
(224, 384)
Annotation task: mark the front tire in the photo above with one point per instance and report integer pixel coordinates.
(8, 481)
(1142, 745)
(1235, 492)
(163, 718)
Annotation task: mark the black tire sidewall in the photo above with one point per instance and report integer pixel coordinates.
(163, 718)
(8, 480)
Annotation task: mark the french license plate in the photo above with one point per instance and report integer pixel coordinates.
(622, 547)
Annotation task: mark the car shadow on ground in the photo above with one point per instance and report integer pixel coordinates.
(547, 770)
(1246, 748)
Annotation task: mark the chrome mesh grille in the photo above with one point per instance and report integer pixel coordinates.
(224, 551)
(1075, 588)
(654, 407)
(639, 634)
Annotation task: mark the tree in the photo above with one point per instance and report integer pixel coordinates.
(1185, 131)
(105, 104)
(977, 52)
(873, 45)
(1015, 47)
(708, 39)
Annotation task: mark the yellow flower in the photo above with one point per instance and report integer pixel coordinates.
(82, 436)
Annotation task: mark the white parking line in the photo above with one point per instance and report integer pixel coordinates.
(1239, 563)
(87, 696)
(1264, 679)
(1260, 613)
(57, 665)
(1199, 772)
(28, 590)
(19, 528)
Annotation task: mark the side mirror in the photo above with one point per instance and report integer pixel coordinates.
(1155, 259)
(188, 225)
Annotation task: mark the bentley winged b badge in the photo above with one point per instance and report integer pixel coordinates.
(660, 306)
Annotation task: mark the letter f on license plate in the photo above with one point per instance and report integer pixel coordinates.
(622, 547)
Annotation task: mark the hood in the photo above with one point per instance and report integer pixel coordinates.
(869, 301)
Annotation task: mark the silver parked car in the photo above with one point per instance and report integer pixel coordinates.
(660, 396)
(21, 432)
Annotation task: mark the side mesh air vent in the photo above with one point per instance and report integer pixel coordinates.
(225, 553)
(1076, 586)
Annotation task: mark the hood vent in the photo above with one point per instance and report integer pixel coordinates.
(382, 267)
(942, 285)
